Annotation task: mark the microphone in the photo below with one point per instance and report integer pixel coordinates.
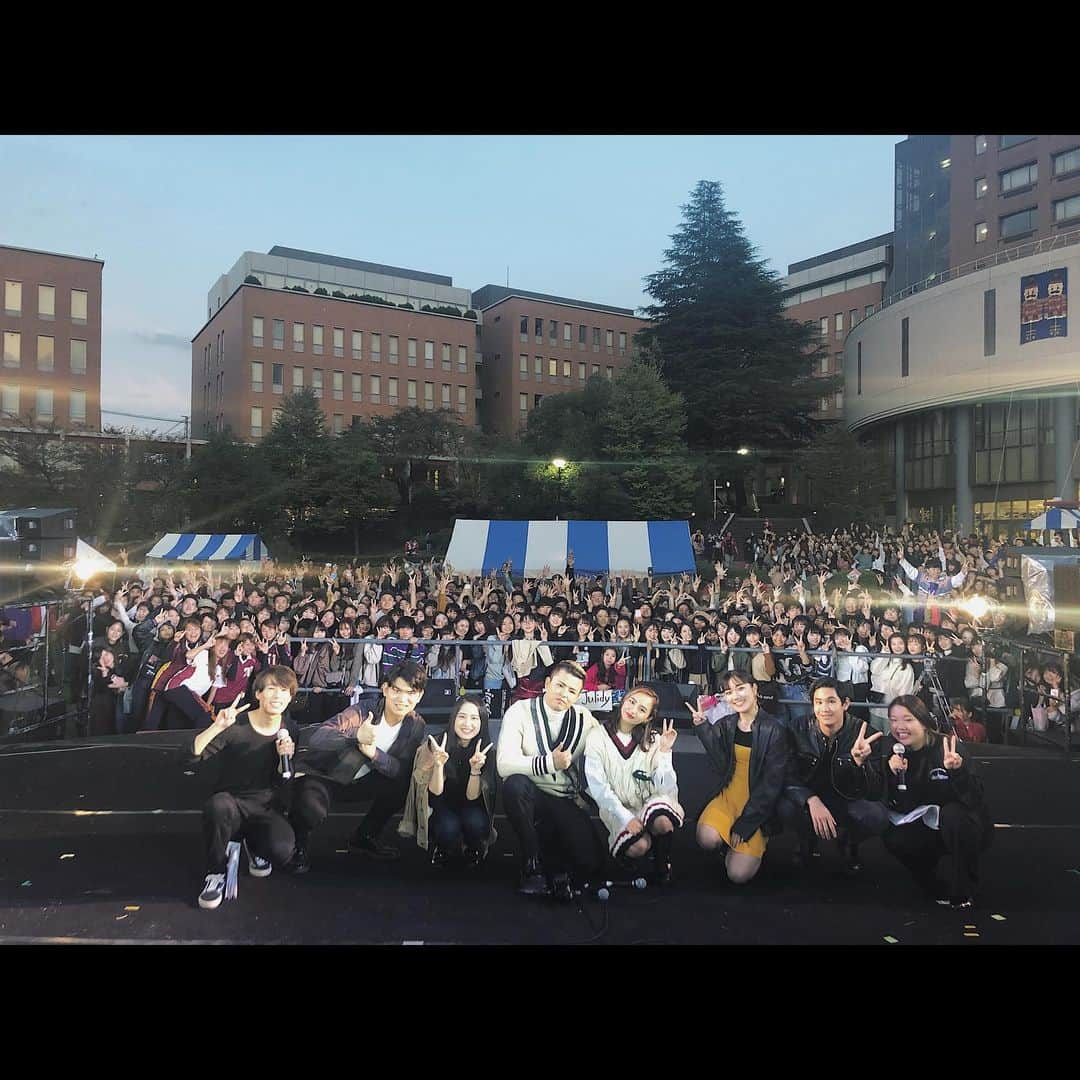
(603, 891)
(899, 751)
(286, 759)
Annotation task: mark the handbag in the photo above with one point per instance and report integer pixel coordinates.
(1039, 720)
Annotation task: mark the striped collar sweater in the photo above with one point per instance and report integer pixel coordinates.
(529, 734)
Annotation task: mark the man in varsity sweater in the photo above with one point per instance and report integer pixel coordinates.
(539, 757)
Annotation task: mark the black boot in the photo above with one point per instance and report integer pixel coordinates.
(533, 882)
(661, 852)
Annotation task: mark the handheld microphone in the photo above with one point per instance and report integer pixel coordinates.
(899, 751)
(603, 891)
(286, 759)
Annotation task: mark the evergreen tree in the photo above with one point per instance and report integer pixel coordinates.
(849, 480)
(358, 493)
(718, 325)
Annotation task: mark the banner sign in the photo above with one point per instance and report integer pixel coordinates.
(601, 700)
(1044, 306)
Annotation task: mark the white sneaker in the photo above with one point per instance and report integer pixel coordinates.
(257, 867)
(213, 891)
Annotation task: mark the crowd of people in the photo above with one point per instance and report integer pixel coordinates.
(801, 662)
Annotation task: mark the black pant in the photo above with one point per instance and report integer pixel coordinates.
(183, 701)
(961, 837)
(860, 818)
(257, 818)
(558, 828)
(311, 798)
(450, 825)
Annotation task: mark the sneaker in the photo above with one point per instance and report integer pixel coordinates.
(213, 892)
(298, 864)
(369, 846)
(533, 882)
(661, 874)
(257, 867)
(561, 889)
(474, 857)
(439, 859)
(957, 903)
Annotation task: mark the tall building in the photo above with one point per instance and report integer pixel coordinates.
(835, 292)
(965, 378)
(290, 320)
(535, 345)
(51, 328)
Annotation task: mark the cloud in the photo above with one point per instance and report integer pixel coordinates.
(161, 337)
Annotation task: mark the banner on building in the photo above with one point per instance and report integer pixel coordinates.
(1044, 306)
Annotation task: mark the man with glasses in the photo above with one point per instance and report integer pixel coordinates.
(367, 752)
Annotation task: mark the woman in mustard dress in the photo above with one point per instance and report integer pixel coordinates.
(749, 749)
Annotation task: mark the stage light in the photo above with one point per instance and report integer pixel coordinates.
(85, 568)
(559, 462)
(743, 451)
(977, 607)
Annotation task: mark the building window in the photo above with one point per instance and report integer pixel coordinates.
(1067, 161)
(858, 371)
(298, 337)
(1018, 224)
(904, 348)
(980, 144)
(78, 357)
(567, 369)
(256, 376)
(581, 333)
(1067, 209)
(824, 404)
(989, 322)
(412, 393)
(412, 352)
(392, 391)
(582, 371)
(610, 372)
(595, 369)
(982, 186)
(276, 415)
(357, 387)
(853, 317)
(596, 339)
(444, 360)
(339, 341)
(77, 406)
(824, 326)
(297, 379)
(839, 332)
(1006, 141)
(568, 333)
(316, 382)
(609, 340)
(78, 305)
(839, 400)
(44, 410)
(317, 340)
(523, 404)
(337, 385)
(537, 398)
(523, 365)
(446, 396)
(256, 331)
(45, 352)
(376, 389)
(46, 302)
(357, 344)
(279, 333)
(462, 399)
(538, 366)
(462, 359)
(429, 354)
(982, 231)
(429, 395)
(339, 423)
(256, 421)
(538, 331)
(12, 349)
(1022, 177)
(523, 328)
(376, 348)
(12, 297)
(868, 311)
(553, 331)
(9, 401)
(553, 367)
(825, 364)
(277, 378)
(622, 342)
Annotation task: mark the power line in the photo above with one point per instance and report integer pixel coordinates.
(139, 416)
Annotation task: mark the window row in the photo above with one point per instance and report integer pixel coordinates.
(568, 334)
(1022, 176)
(46, 301)
(337, 386)
(554, 366)
(837, 321)
(356, 344)
(982, 142)
(1026, 221)
(46, 352)
(39, 402)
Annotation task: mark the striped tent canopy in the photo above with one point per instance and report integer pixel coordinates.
(1055, 519)
(209, 547)
(599, 547)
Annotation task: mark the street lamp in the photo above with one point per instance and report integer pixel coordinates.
(559, 464)
(743, 451)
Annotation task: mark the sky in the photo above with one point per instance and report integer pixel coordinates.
(582, 216)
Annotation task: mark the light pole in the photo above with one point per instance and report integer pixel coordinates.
(559, 465)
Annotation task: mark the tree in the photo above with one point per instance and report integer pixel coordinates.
(719, 330)
(223, 487)
(847, 477)
(415, 436)
(358, 493)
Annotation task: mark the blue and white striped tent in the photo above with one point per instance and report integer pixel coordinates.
(599, 547)
(209, 547)
(1055, 518)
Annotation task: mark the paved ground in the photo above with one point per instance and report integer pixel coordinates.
(100, 842)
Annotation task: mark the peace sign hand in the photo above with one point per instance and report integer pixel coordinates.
(335, 647)
(479, 759)
(696, 714)
(861, 748)
(227, 717)
(952, 760)
(668, 736)
(438, 751)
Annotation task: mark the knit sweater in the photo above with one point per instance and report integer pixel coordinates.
(530, 733)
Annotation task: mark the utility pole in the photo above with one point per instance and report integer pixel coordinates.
(187, 438)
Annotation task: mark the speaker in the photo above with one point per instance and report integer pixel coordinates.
(1011, 564)
(673, 698)
(40, 549)
(1067, 596)
(33, 524)
(438, 700)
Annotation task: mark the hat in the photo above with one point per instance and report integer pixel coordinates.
(207, 605)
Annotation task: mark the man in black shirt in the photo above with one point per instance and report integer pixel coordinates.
(247, 801)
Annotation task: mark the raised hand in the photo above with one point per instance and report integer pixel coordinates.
(438, 751)
(365, 732)
(227, 717)
(335, 648)
(479, 759)
(898, 765)
(952, 760)
(696, 714)
(668, 735)
(861, 749)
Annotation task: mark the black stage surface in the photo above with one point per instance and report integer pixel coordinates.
(99, 842)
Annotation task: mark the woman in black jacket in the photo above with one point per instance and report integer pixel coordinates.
(940, 811)
(748, 748)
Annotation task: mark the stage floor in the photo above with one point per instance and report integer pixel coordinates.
(99, 842)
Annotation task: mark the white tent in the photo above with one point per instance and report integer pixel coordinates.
(90, 561)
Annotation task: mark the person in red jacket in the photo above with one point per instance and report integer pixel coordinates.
(609, 674)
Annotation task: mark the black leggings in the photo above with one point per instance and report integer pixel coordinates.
(256, 818)
(961, 837)
(312, 796)
(557, 828)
